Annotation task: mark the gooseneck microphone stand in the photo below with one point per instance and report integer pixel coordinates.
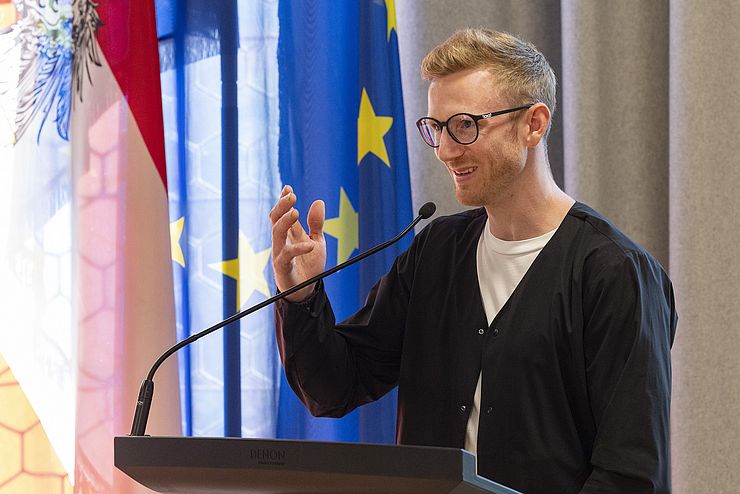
(146, 392)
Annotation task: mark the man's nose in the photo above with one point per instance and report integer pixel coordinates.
(448, 148)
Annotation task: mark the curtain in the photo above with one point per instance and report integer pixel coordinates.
(219, 79)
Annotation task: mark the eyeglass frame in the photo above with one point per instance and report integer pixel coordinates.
(475, 119)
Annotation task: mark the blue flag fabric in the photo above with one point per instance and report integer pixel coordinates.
(343, 140)
(326, 116)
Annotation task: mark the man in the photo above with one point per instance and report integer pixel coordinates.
(530, 330)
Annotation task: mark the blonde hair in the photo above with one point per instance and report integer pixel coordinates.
(520, 69)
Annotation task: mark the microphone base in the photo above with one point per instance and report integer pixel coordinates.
(143, 404)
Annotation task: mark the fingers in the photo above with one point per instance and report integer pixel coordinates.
(288, 222)
(287, 200)
(289, 239)
(290, 243)
(290, 252)
(316, 215)
(284, 219)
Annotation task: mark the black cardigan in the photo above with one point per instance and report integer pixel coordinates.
(576, 365)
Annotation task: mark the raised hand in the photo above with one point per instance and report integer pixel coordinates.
(296, 255)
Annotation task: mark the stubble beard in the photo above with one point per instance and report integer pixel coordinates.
(501, 169)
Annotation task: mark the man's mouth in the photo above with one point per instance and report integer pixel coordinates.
(464, 171)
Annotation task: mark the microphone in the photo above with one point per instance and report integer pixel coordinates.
(146, 391)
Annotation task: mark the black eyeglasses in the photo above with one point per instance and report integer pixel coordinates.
(462, 127)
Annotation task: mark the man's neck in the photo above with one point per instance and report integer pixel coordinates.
(531, 207)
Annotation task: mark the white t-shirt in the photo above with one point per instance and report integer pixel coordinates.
(501, 266)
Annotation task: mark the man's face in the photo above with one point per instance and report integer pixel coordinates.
(482, 172)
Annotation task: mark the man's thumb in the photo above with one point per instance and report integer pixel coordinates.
(315, 220)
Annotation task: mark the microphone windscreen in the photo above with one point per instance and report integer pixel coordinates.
(427, 210)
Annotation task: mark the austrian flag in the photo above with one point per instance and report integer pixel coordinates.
(86, 294)
(126, 307)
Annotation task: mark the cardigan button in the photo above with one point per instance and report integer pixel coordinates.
(495, 331)
(489, 410)
(463, 408)
(481, 331)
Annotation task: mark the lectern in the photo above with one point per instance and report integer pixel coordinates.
(229, 465)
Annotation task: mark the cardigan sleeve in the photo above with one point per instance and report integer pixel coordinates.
(334, 368)
(630, 323)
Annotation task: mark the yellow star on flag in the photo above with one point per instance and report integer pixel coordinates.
(370, 131)
(176, 228)
(248, 270)
(390, 9)
(344, 228)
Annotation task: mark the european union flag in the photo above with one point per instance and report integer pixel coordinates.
(342, 139)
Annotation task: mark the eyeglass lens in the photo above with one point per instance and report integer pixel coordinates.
(462, 127)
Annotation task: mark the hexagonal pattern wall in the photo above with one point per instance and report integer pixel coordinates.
(28, 463)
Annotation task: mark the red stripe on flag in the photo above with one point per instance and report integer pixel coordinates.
(128, 40)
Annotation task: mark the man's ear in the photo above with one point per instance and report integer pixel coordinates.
(538, 121)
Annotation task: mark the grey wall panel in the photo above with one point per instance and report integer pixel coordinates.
(615, 79)
(704, 239)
